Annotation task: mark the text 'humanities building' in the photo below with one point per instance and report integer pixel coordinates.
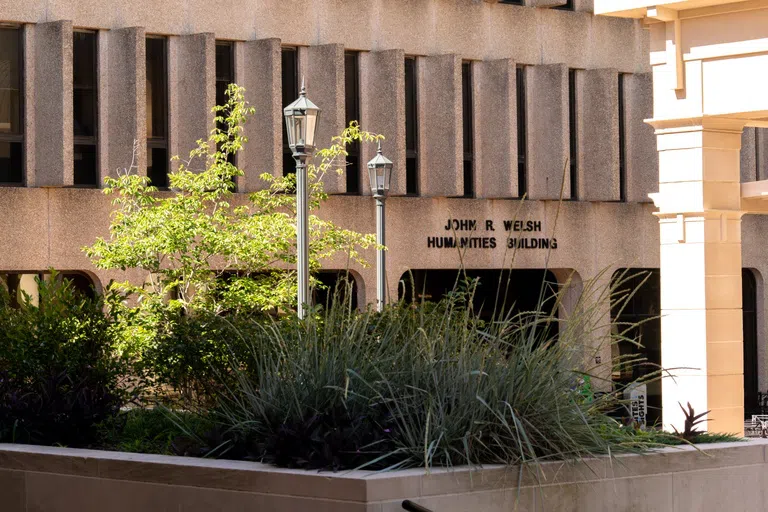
(482, 103)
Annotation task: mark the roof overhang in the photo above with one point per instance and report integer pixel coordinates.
(640, 8)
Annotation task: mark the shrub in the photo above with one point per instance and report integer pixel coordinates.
(59, 377)
(417, 385)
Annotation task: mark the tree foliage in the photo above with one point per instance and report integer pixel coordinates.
(206, 249)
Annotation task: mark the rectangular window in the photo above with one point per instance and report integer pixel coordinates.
(11, 107)
(514, 2)
(467, 129)
(567, 6)
(622, 143)
(85, 102)
(573, 132)
(411, 128)
(352, 108)
(157, 111)
(522, 139)
(225, 75)
(290, 78)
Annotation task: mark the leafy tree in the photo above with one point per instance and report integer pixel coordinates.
(207, 250)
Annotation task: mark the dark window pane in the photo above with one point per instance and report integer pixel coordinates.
(411, 128)
(157, 90)
(11, 162)
(574, 136)
(514, 2)
(225, 75)
(622, 143)
(84, 84)
(157, 166)
(352, 108)
(353, 171)
(84, 110)
(411, 134)
(522, 126)
(86, 169)
(469, 178)
(467, 128)
(10, 81)
(411, 176)
(567, 6)
(290, 80)
(225, 70)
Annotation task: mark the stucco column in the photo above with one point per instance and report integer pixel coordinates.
(700, 221)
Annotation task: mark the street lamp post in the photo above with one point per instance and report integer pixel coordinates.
(301, 118)
(380, 173)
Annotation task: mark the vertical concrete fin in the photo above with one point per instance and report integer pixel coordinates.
(382, 110)
(548, 133)
(761, 153)
(30, 101)
(257, 69)
(125, 100)
(598, 129)
(322, 68)
(748, 155)
(495, 123)
(53, 104)
(192, 94)
(641, 157)
(440, 129)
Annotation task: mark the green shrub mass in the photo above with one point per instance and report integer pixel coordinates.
(59, 377)
(417, 385)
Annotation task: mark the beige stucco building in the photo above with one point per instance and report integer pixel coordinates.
(482, 102)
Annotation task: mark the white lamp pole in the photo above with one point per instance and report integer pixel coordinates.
(301, 119)
(380, 173)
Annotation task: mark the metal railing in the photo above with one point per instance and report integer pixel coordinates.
(413, 507)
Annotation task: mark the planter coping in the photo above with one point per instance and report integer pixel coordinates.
(367, 486)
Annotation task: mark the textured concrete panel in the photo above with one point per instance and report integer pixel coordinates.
(257, 69)
(488, 30)
(748, 155)
(548, 132)
(642, 159)
(440, 128)
(382, 108)
(29, 99)
(323, 69)
(125, 100)
(598, 134)
(192, 91)
(54, 166)
(495, 99)
(761, 152)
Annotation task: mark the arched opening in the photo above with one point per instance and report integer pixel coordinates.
(499, 291)
(81, 283)
(335, 285)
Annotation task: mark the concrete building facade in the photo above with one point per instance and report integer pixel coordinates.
(493, 111)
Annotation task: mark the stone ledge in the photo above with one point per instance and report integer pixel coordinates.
(26, 470)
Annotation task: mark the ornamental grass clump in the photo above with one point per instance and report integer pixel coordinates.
(420, 384)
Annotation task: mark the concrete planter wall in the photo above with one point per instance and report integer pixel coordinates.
(720, 477)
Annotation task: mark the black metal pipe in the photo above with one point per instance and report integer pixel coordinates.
(413, 507)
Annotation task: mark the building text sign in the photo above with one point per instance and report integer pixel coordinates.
(475, 234)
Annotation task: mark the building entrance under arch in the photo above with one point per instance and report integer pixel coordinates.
(498, 291)
(640, 316)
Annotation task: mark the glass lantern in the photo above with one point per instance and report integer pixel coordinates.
(301, 119)
(380, 173)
